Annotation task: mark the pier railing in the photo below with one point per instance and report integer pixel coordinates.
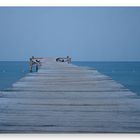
(34, 62)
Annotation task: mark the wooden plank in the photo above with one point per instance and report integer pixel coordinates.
(64, 98)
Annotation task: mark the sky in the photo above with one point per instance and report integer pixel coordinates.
(84, 33)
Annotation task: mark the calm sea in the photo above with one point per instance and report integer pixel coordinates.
(11, 71)
(126, 73)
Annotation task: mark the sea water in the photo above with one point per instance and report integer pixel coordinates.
(11, 72)
(126, 73)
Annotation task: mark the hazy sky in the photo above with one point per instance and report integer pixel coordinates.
(96, 34)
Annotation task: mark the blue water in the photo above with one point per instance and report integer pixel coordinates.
(11, 71)
(126, 73)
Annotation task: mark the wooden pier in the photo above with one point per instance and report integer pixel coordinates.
(64, 98)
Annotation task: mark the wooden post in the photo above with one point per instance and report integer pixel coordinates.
(30, 65)
(68, 59)
(36, 67)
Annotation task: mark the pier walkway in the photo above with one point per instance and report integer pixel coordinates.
(64, 98)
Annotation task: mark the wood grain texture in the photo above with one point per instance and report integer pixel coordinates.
(64, 98)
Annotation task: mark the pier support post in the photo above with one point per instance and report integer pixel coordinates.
(68, 59)
(30, 65)
(36, 67)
